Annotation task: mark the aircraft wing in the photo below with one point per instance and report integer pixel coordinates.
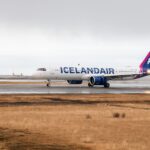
(124, 77)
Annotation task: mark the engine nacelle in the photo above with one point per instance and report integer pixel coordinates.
(74, 81)
(98, 80)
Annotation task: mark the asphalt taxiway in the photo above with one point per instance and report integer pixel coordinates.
(117, 87)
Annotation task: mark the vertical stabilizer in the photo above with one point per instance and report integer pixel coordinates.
(145, 65)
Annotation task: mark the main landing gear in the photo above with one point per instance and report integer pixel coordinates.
(106, 85)
(48, 84)
(90, 85)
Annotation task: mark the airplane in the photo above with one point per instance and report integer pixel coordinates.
(95, 76)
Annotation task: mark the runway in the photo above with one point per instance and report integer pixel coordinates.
(138, 86)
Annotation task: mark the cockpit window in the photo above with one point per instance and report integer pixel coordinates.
(41, 69)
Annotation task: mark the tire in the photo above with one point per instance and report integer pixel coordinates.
(48, 84)
(89, 85)
(107, 85)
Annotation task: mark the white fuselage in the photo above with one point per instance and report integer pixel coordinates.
(84, 73)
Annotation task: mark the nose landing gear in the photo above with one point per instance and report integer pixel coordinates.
(48, 84)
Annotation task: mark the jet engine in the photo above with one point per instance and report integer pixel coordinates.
(74, 81)
(98, 80)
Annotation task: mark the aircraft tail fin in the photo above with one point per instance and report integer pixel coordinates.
(145, 65)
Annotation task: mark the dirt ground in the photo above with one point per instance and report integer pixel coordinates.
(75, 122)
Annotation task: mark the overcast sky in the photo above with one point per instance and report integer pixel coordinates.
(37, 33)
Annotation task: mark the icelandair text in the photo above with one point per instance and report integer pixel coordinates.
(83, 70)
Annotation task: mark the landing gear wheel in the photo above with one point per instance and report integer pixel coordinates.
(48, 84)
(90, 85)
(107, 85)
